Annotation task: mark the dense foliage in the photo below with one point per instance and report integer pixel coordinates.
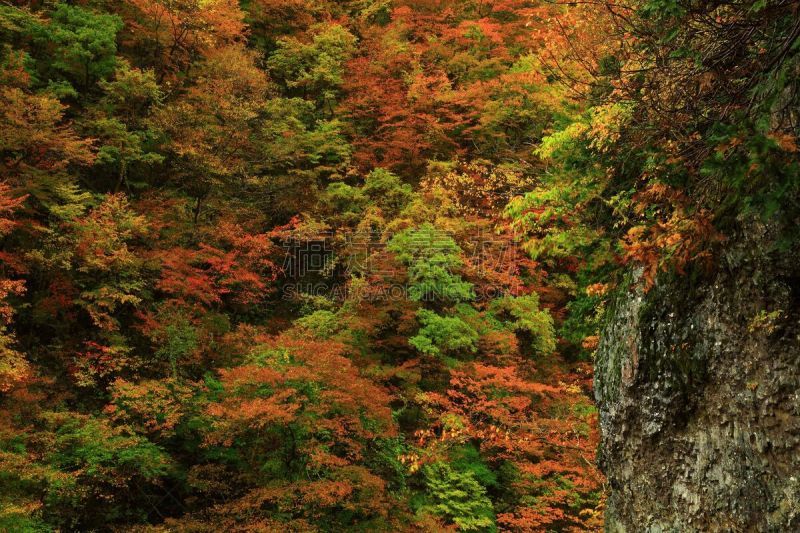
(325, 266)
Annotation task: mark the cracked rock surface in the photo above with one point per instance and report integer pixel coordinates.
(698, 385)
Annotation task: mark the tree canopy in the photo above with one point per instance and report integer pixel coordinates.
(326, 266)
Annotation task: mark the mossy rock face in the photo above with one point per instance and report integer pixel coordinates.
(698, 386)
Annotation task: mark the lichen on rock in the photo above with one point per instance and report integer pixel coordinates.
(698, 385)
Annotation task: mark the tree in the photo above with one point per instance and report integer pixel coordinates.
(124, 138)
(169, 36)
(81, 44)
(314, 70)
(443, 335)
(432, 259)
(298, 408)
(459, 498)
(14, 368)
(37, 145)
(522, 315)
(161, 163)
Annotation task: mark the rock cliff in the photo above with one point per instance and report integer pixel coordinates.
(698, 385)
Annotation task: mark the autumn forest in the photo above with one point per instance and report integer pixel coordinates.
(317, 265)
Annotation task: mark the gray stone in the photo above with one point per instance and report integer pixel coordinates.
(698, 385)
